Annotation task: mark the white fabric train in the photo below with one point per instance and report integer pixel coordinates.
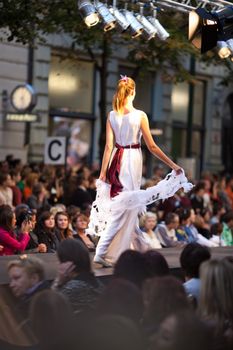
(104, 206)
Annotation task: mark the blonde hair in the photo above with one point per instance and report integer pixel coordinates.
(216, 295)
(124, 88)
(31, 265)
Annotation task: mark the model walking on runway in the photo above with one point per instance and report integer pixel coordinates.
(119, 199)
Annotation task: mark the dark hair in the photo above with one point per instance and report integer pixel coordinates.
(169, 218)
(3, 178)
(227, 217)
(75, 251)
(37, 189)
(156, 264)
(216, 229)
(191, 258)
(22, 215)
(40, 226)
(163, 297)
(6, 217)
(131, 266)
(199, 186)
(121, 297)
(183, 213)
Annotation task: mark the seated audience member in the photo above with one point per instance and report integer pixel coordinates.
(166, 231)
(114, 332)
(227, 236)
(163, 296)
(45, 231)
(183, 233)
(202, 222)
(191, 258)
(197, 197)
(30, 180)
(81, 197)
(24, 214)
(53, 322)
(229, 190)
(148, 223)
(75, 280)
(183, 330)
(199, 238)
(179, 200)
(216, 233)
(80, 224)
(27, 278)
(216, 300)
(62, 223)
(131, 266)
(38, 199)
(12, 245)
(155, 264)
(6, 194)
(123, 298)
(218, 211)
(17, 194)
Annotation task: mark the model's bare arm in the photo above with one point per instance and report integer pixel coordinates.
(153, 148)
(107, 150)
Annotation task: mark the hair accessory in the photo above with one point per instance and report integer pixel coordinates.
(124, 78)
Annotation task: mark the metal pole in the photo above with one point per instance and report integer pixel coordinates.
(190, 110)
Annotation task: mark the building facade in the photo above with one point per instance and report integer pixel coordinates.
(192, 123)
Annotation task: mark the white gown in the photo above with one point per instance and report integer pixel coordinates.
(116, 219)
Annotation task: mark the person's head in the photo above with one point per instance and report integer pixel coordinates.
(5, 180)
(199, 189)
(149, 221)
(37, 189)
(31, 179)
(46, 221)
(216, 229)
(172, 220)
(62, 220)
(75, 251)
(191, 258)
(7, 218)
(176, 331)
(131, 266)
(15, 176)
(184, 215)
(125, 90)
(163, 296)
(25, 215)
(156, 264)
(216, 296)
(228, 218)
(52, 320)
(80, 222)
(24, 273)
(121, 297)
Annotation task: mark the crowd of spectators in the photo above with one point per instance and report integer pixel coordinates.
(42, 205)
(44, 209)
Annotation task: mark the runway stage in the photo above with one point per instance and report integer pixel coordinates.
(50, 261)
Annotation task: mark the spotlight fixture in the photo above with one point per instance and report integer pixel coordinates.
(121, 22)
(161, 31)
(88, 12)
(207, 28)
(136, 28)
(108, 20)
(223, 49)
(149, 31)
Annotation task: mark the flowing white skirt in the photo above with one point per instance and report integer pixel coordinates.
(115, 220)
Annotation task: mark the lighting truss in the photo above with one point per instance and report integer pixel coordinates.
(189, 5)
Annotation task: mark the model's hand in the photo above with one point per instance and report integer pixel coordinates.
(102, 177)
(178, 169)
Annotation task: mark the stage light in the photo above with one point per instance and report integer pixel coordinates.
(88, 12)
(161, 31)
(121, 22)
(136, 28)
(223, 49)
(207, 28)
(108, 20)
(149, 31)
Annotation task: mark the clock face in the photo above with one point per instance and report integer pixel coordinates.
(23, 98)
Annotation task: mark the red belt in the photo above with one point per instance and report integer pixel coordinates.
(114, 169)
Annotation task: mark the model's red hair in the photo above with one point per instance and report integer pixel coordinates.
(125, 87)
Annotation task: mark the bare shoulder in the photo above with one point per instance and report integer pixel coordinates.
(143, 116)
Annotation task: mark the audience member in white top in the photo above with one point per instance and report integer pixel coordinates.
(148, 224)
(6, 194)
